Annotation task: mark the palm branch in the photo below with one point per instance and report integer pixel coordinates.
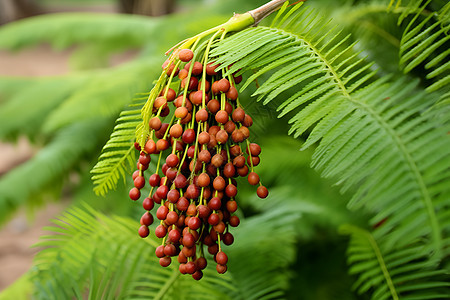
(373, 135)
(91, 255)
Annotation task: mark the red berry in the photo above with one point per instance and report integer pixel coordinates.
(144, 231)
(262, 192)
(147, 219)
(221, 258)
(185, 55)
(134, 194)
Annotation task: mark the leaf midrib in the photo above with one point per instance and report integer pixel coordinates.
(398, 142)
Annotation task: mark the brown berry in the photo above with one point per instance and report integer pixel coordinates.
(185, 55)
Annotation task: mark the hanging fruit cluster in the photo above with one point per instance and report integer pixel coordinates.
(205, 145)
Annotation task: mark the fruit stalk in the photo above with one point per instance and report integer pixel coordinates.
(263, 11)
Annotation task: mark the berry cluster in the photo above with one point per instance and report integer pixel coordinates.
(205, 145)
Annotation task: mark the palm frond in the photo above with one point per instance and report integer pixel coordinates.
(361, 130)
(118, 85)
(27, 110)
(374, 137)
(48, 169)
(116, 30)
(89, 253)
(405, 274)
(425, 43)
(118, 154)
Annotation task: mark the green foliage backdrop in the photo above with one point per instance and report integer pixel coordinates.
(361, 87)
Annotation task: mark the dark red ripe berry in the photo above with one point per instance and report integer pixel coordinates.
(144, 159)
(162, 191)
(162, 212)
(148, 203)
(189, 251)
(215, 203)
(172, 217)
(139, 182)
(262, 192)
(173, 196)
(182, 204)
(213, 249)
(248, 121)
(170, 249)
(180, 181)
(190, 267)
(253, 178)
(231, 190)
(221, 258)
(143, 231)
(229, 170)
(228, 238)
(197, 275)
(174, 235)
(201, 263)
(182, 259)
(188, 136)
(213, 219)
(185, 55)
(147, 219)
(188, 240)
(203, 211)
(154, 180)
(159, 251)
(242, 171)
(234, 221)
(171, 173)
(160, 231)
(255, 160)
(165, 261)
(192, 192)
(194, 223)
(135, 174)
(134, 194)
(191, 151)
(160, 133)
(221, 269)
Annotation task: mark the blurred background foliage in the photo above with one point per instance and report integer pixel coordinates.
(290, 239)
